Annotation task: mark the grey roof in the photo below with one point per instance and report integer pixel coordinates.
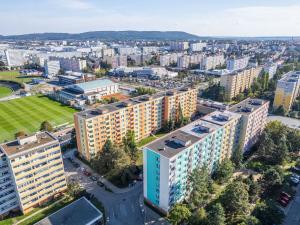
(168, 147)
(80, 212)
(247, 106)
(90, 85)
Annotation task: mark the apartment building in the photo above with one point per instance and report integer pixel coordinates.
(32, 172)
(179, 45)
(234, 64)
(150, 49)
(287, 90)
(239, 81)
(116, 60)
(71, 64)
(197, 47)
(143, 115)
(183, 62)
(271, 69)
(169, 161)
(254, 119)
(211, 62)
(52, 67)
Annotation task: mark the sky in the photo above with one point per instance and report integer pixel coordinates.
(204, 18)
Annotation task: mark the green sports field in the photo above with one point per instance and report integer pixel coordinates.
(5, 91)
(28, 113)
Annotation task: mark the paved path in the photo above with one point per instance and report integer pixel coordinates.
(293, 212)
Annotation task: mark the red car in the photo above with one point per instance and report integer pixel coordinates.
(282, 202)
(284, 198)
(87, 173)
(286, 195)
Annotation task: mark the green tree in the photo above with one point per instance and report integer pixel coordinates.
(178, 214)
(130, 145)
(46, 126)
(271, 180)
(235, 199)
(199, 217)
(74, 189)
(110, 158)
(254, 189)
(293, 140)
(268, 213)
(179, 122)
(280, 111)
(216, 215)
(199, 181)
(224, 171)
(237, 157)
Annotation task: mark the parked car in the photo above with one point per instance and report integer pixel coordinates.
(295, 169)
(100, 183)
(296, 176)
(87, 173)
(93, 178)
(294, 181)
(282, 202)
(284, 194)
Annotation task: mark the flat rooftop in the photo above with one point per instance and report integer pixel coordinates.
(293, 76)
(79, 212)
(27, 143)
(108, 108)
(221, 117)
(175, 142)
(247, 106)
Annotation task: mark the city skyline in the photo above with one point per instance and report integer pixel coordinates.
(218, 18)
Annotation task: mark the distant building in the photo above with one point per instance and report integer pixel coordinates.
(211, 62)
(197, 47)
(150, 49)
(234, 64)
(15, 57)
(271, 69)
(87, 92)
(52, 67)
(116, 61)
(71, 64)
(287, 90)
(75, 78)
(238, 81)
(179, 45)
(32, 172)
(183, 62)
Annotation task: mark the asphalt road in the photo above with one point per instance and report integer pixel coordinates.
(293, 213)
(121, 209)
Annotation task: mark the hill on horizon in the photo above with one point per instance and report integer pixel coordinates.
(106, 35)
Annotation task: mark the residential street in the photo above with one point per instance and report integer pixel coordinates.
(121, 208)
(293, 212)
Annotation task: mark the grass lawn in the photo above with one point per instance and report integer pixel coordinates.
(14, 76)
(28, 113)
(53, 207)
(5, 91)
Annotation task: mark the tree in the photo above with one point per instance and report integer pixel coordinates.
(224, 171)
(46, 126)
(293, 140)
(74, 189)
(199, 217)
(271, 180)
(110, 158)
(199, 181)
(20, 133)
(179, 118)
(268, 213)
(246, 220)
(235, 199)
(178, 214)
(216, 215)
(254, 189)
(130, 146)
(237, 157)
(280, 111)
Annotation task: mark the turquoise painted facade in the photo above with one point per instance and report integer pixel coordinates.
(153, 176)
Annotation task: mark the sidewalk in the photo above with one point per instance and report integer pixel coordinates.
(107, 183)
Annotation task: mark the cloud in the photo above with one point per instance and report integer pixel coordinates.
(73, 4)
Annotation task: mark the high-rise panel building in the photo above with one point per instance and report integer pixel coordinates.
(238, 81)
(52, 67)
(254, 119)
(234, 64)
(169, 161)
(179, 45)
(287, 90)
(211, 62)
(33, 166)
(206, 142)
(143, 115)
